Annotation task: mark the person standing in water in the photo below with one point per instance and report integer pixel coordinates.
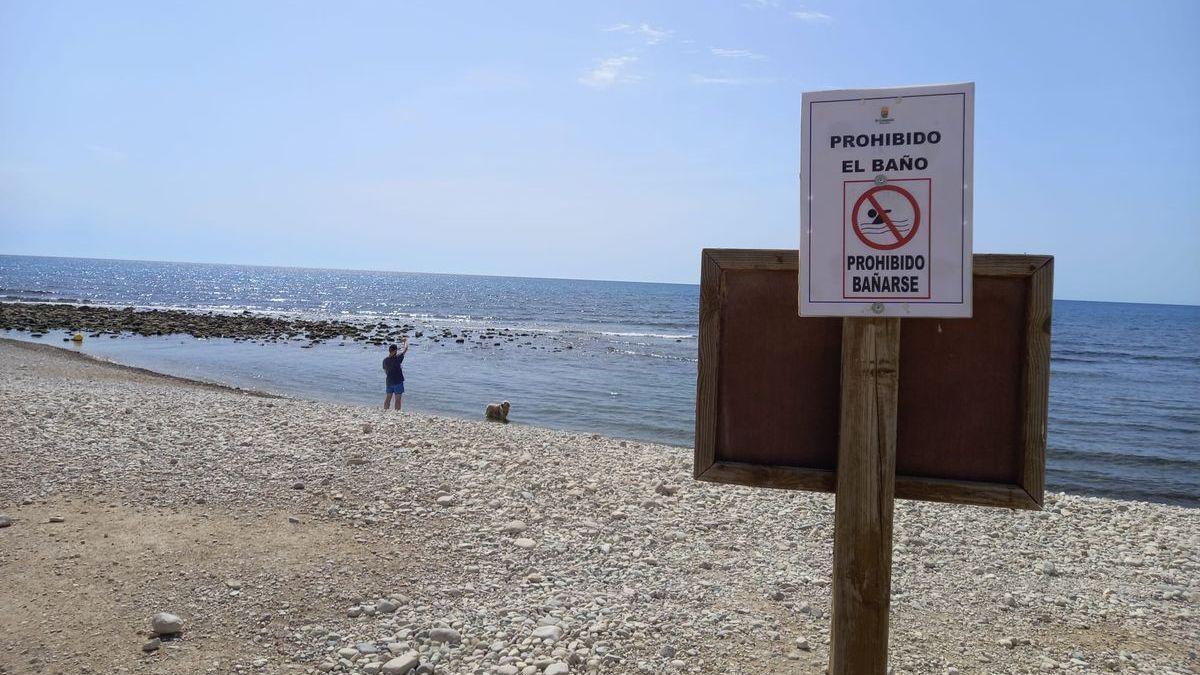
(392, 365)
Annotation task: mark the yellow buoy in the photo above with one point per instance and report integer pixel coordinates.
(77, 338)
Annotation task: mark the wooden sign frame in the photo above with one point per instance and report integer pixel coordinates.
(1033, 272)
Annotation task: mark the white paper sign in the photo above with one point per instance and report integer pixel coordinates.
(885, 201)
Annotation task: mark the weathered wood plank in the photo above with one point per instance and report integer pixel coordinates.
(755, 258)
(1035, 378)
(862, 544)
(778, 477)
(1007, 265)
(907, 487)
(709, 363)
(964, 492)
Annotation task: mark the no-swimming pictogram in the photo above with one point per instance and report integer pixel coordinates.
(886, 217)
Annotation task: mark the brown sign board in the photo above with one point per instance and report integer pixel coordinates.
(971, 420)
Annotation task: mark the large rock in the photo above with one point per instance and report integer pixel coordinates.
(401, 665)
(165, 623)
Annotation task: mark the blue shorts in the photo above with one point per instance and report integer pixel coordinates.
(395, 388)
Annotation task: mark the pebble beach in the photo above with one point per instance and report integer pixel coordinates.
(288, 536)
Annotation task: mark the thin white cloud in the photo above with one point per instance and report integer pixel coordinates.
(722, 80)
(646, 32)
(610, 71)
(736, 54)
(812, 16)
(760, 4)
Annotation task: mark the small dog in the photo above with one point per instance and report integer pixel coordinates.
(497, 411)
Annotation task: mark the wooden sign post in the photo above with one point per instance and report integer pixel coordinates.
(812, 403)
(791, 395)
(866, 484)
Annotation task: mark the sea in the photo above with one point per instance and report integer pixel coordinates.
(613, 358)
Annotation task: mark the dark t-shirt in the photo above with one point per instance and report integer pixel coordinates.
(391, 366)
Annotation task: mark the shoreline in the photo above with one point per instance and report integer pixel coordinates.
(91, 358)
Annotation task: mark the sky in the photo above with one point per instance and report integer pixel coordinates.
(608, 140)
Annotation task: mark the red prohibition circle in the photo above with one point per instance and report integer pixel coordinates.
(901, 240)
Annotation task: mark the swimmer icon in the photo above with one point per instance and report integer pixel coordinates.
(881, 228)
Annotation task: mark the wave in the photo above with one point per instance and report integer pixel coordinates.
(665, 336)
(1126, 424)
(652, 355)
(1110, 457)
(1101, 355)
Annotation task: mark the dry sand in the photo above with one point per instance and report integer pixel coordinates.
(297, 537)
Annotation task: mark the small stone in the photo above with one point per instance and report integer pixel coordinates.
(366, 648)
(165, 623)
(234, 584)
(447, 635)
(366, 428)
(386, 606)
(5, 521)
(802, 644)
(57, 519)
(667, 652)
(548, 633)
(348, 653)
(525, 543)
(298, 485)
(293, 520)
(557, 668)
(666, 490)
(356, 461)
(354, 612)
(1049, 569)
(152, 645)
(1007, 642)
(445, 500)
(514, 527)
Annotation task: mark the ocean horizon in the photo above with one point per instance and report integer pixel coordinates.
(616, 358)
